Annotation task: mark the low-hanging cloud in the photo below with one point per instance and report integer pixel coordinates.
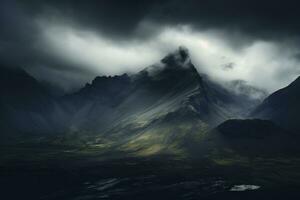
(264, 64)
(68, 43)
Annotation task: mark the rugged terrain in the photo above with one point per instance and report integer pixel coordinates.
(167, 131)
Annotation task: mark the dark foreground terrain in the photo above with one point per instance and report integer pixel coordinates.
(83, 174)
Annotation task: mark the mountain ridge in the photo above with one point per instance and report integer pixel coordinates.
(282, 107)
(154, 110)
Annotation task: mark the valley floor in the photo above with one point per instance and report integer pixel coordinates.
(53, 173)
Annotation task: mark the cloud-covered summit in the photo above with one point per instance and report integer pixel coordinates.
(69, 42)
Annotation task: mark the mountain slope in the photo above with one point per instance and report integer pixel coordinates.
(155, 91)
(25, 105)
(163, 107)
(160, 108)
(282, 107)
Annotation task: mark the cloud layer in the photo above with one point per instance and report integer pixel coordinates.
(69, 42)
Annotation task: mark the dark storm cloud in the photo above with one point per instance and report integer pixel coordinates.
(15, 34)
(114, 17)
(21, 42)
(267, 19)
(29, 36)
(20, 37)
(258, 18)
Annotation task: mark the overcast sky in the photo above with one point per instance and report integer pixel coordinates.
(70, 42)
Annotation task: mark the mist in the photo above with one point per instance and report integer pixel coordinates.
(264, 64)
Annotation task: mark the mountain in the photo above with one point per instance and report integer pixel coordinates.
(282, 107)
(250, 137)
(25, 105)
(153, 92)
(161, 108)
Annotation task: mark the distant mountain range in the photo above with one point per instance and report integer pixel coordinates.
(165, 107)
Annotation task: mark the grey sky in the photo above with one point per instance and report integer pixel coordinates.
(70, 42)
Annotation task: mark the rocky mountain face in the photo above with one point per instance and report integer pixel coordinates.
(282, 107)
(153, 92)
(171, 85)
(163, 106)
(160, 108)
(25, 105)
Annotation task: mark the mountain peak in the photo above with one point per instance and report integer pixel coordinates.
(180, 57)
(175, 63)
